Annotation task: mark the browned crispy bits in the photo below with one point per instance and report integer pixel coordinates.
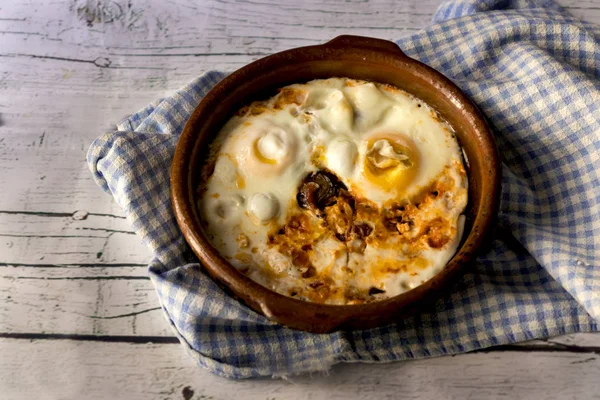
(362, 229)
(309, 273)
(436, 238)
(289, 96)
(340, 215)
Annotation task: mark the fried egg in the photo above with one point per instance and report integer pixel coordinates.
(336, 191)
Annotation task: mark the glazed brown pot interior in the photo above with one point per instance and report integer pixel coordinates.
(351, 57)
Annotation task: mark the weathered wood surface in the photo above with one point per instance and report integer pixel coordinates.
(67, 369)
(69, 264)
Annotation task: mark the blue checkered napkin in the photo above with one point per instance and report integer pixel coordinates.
(534, 72)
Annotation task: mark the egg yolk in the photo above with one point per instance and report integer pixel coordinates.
(392, 162)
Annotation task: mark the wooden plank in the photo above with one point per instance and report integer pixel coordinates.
(45, 224)
(42, 238)
(575, 341)
(588, 10)
(116, 248)
(43, 155)
(103, 300)
(65, 369)
(50, 272)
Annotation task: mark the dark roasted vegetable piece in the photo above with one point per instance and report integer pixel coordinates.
(362, 230)
(375, 290)
(318, 190)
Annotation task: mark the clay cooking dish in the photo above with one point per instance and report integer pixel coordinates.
(352, 57)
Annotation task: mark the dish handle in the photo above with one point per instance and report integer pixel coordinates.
(365, 42)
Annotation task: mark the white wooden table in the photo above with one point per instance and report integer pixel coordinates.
(79, 319)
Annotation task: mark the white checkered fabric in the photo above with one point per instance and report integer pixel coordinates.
(533, 71)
